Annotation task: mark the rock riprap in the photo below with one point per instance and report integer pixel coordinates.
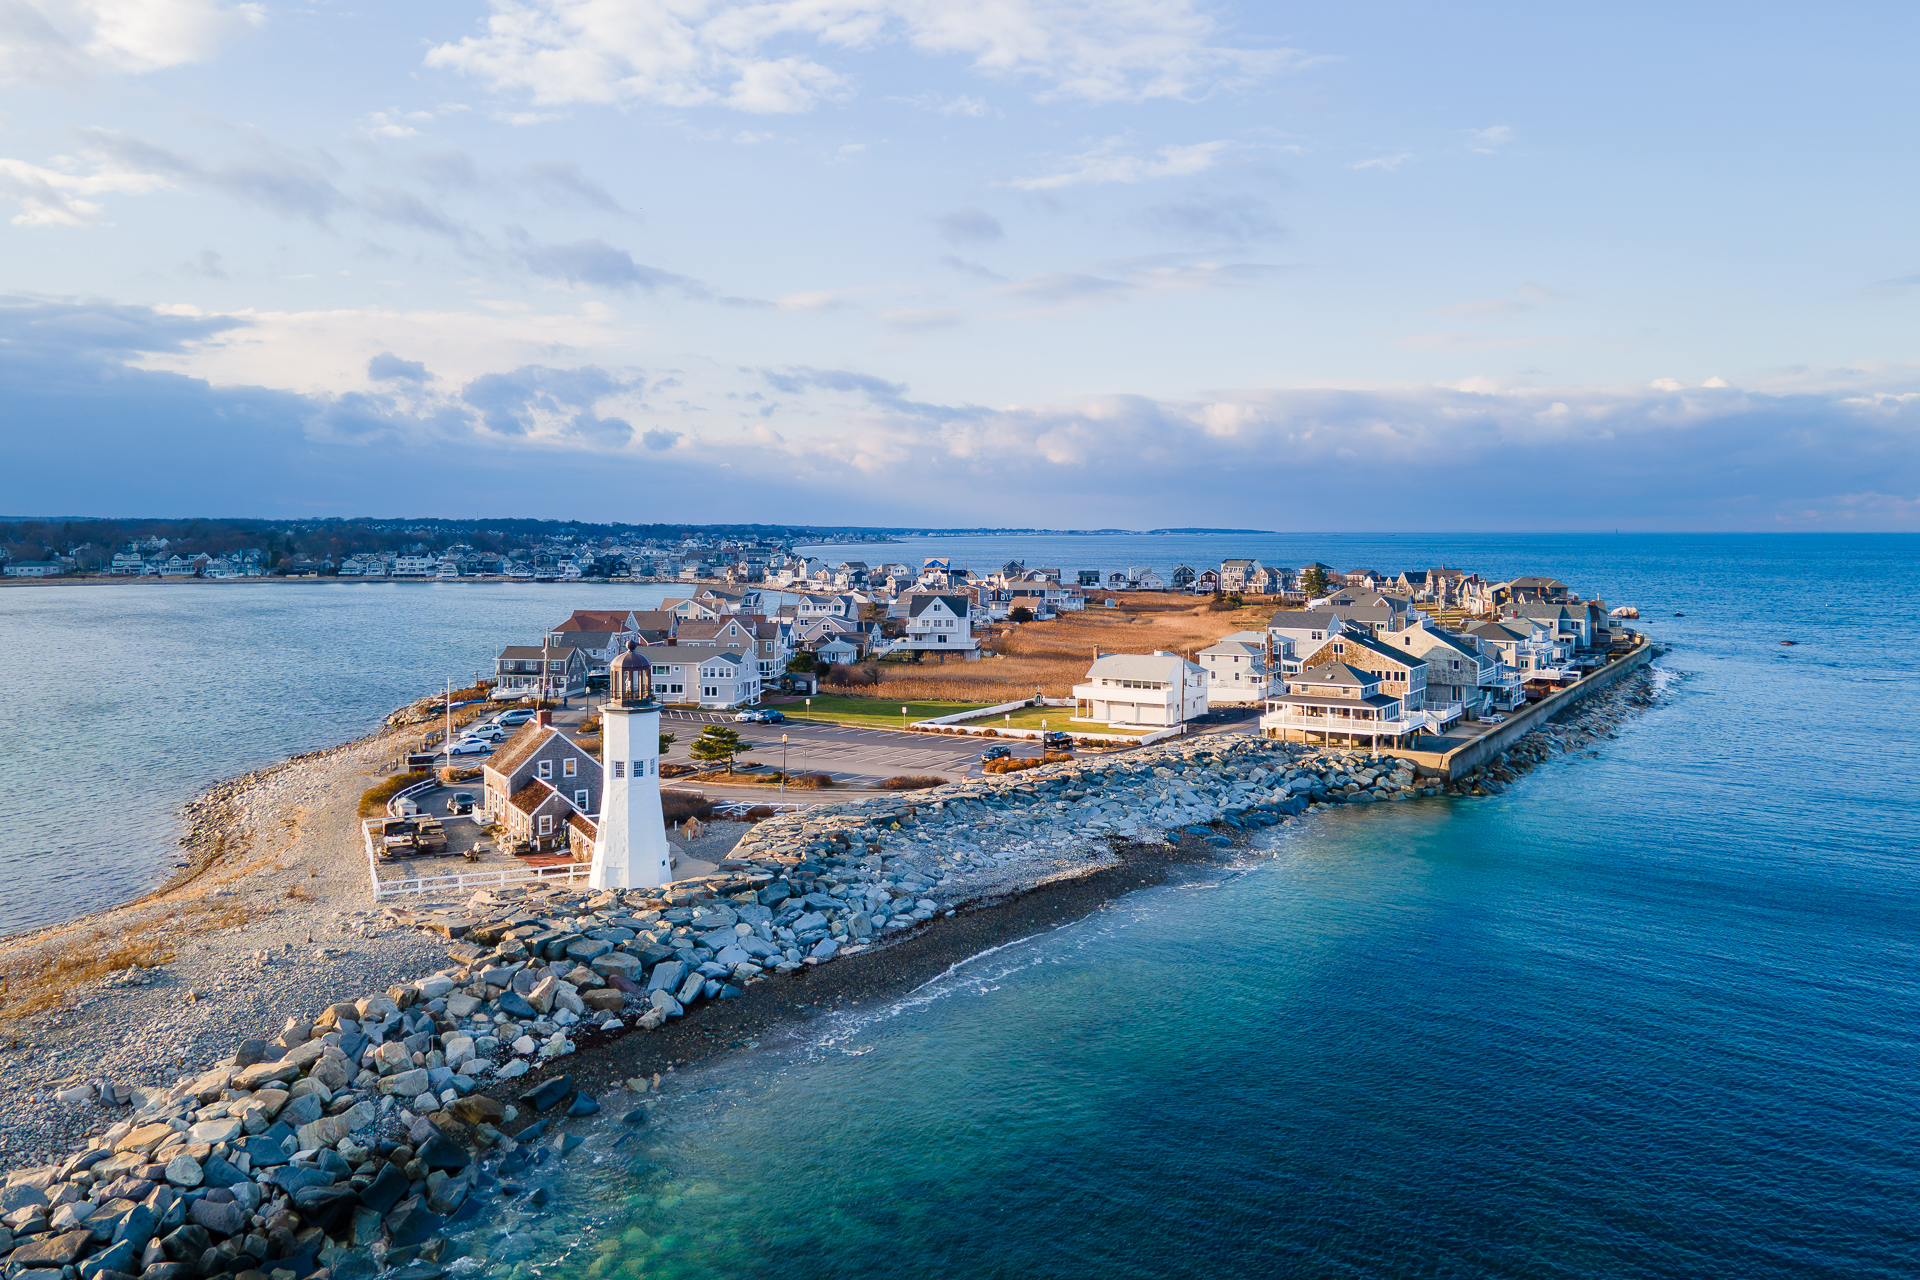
(362, 1128)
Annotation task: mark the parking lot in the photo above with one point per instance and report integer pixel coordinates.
(854, 756)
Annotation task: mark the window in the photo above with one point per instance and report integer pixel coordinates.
(546, 768)
(580, 800)
(640, 769)
(569, 767)
(546, 824)
(619, 768)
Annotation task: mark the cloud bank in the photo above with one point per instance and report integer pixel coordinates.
(858, 446)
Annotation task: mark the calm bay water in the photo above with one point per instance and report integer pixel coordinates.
(124, 701)
(1653, 1013)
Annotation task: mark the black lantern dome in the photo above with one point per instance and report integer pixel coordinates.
(630, 678)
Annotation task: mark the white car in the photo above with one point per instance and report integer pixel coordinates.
(470, 747)
(490, 733)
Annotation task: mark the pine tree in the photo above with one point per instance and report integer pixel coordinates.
(716, 744)
(1314, 582)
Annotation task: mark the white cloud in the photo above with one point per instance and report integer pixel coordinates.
(58, 39)
(687, 53)
(1386, 164)
(326, 352)
(382, 124)
(1486, 141)
(52, 198)
(1109, 163)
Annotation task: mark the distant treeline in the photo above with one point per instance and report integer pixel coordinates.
(93, 541)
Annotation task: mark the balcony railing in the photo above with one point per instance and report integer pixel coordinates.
(1407, 722)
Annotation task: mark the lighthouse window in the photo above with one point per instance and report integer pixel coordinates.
(619, 768)
(639, 768)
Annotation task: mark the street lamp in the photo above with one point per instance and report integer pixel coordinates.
(783, 764)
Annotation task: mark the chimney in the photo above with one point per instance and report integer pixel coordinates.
(543, 718)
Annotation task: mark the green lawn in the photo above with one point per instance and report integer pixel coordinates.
(872, 711)
(1057, 718)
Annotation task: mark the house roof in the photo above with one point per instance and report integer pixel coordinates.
(735, 627)
(1337, 673)
(583, 639)
(1370, 644)
(1303, 619)
(527, 740)
(1162, 666)
(531, 797)
(920, 604)
(1237, 648)
(1445, 638)
(550, 653)
(584, 825)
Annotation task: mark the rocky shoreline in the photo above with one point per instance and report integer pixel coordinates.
(370, 1128)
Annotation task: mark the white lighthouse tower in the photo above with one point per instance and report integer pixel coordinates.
(631, 850)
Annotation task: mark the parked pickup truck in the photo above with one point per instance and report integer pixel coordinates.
(398, 838)
(430, 837)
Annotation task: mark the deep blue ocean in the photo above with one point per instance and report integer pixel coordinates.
(1653, 1013)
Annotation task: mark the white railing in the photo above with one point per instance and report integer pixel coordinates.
(460, 880)
(1441, 714)
(1406, 723)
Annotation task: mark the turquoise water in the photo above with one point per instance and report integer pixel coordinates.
(1651, 1013)
(1654, 1012)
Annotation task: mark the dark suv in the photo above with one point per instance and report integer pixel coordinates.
(1056, 742)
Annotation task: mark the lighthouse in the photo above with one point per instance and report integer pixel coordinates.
(631, 849)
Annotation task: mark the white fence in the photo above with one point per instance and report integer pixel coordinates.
(460, 881)
(393, 804)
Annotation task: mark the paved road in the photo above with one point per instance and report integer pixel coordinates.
(856, 755)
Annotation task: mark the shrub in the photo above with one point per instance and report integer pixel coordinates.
(373, 801)
(811, 781)
(458, 773)
(911, 782)
(678, 806)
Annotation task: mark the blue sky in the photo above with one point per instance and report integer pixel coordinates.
(1147, 262)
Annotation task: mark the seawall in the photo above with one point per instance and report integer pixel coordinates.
(1450, 766)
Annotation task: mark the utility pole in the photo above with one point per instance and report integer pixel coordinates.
(449, 738)
(783, 764)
